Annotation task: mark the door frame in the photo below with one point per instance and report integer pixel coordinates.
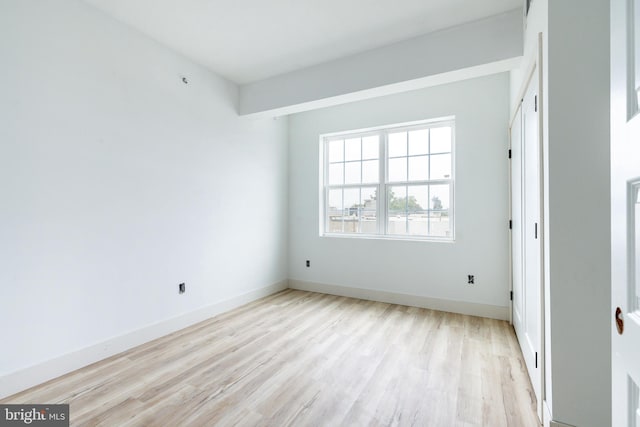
(533, 70)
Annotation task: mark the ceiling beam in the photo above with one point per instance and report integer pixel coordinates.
(470, 50)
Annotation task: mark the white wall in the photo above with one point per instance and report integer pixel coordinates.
(428, 269)
(579, 212)
(118, 181)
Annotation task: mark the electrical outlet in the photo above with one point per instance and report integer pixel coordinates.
(471, 279)
(308, 263)
(181, 288)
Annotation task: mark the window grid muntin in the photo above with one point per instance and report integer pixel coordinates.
(382, 187)
(408, 182)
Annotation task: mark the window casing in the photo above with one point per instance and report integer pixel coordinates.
(393, 182)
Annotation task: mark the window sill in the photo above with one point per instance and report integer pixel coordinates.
(390, 237)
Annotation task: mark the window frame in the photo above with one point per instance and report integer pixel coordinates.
(383, 185)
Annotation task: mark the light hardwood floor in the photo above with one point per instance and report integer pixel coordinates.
(307, 359)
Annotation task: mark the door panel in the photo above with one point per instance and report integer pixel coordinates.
(526, 233)
(634, 400)
(625, 211)
(531, 233)
(516, 218)
(634, 247)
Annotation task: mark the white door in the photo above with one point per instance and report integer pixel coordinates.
(531, 234)
(526, 234)
(517, 276)
(625, 212)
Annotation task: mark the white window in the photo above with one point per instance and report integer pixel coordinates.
(393, 182)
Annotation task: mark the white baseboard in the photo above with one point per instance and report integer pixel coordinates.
(462, 307)
(23, 379)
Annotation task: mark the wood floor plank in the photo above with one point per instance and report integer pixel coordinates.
(306, 359)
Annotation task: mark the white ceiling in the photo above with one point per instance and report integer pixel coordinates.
(250, 40)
